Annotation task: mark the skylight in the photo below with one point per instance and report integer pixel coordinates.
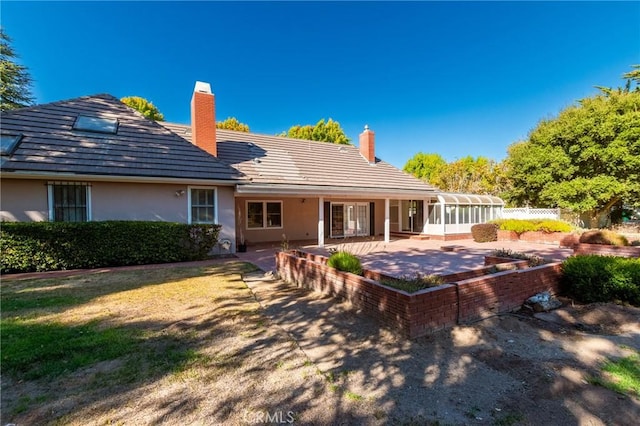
(8, 143)
(96, 124)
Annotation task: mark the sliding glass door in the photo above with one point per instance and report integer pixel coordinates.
(412, 214)
(349, 219)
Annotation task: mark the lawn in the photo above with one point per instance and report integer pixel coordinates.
(180, 345)
(192, 345)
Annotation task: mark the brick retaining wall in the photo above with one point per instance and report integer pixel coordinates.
(533, 236)
(505, 291)
(418, 314)
(605, 250)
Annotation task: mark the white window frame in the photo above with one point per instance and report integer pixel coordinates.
(50, 202)
(215, 203)
(264, 214)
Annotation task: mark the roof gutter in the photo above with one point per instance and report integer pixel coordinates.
(111, 178)
(317, 190)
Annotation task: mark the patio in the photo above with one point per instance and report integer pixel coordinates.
(407, 257)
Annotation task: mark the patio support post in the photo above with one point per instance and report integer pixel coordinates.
(386, 221)
(425, 214)
(321, 222)
(442, 218)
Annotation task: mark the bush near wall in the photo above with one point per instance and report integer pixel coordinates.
(594, 278)
(604, 237)
(484, 232)
(520, 226)
(46, 246)
(345, 261)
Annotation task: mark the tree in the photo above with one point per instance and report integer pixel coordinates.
(632, 76)
(325, 132)
(232, 123)
(15, 87)
(144, 107)
(425, 166)
(471, 175)
(587, 159)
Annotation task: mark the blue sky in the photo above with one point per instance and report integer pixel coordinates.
(455, 78)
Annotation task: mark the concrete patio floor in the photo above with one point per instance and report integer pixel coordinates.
(405, 257)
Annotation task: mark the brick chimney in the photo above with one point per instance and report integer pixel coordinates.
(368, 145)
(203, 118)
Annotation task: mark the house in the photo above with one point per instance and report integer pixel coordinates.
(93, 158)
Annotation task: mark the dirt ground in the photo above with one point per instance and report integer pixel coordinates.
(510, 369)
(262, 351)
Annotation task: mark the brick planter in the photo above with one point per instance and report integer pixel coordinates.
(496, 260)
(539, 237)
(467, 296)
(604, 250)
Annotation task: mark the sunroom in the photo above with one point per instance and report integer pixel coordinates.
(454, 214)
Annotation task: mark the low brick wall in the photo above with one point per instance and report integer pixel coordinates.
(418, 314)
(450, 237)
(604, 250)
(539, 237)
(496, 260)
(505, 291)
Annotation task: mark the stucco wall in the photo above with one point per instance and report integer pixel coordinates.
(227, 215)
(299, 220)
(26, 200)
(23, 200)
(131, 201)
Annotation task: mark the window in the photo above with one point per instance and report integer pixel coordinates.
(450, 215)
(8, 143)
(203, 205)
(69, 202)
(434, 214)
(264, 214)
(464, 214)
(96, 124)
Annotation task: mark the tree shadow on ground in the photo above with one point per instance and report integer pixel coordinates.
(320, 361)
(484, 373)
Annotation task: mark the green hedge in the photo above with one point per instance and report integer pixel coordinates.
(345, 261)
(484, 232)
(595, 278)
(530, 225)
(47, 246)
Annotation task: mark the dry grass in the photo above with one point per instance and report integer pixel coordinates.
(182, 345)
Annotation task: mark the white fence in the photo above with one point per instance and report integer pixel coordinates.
(528, 213)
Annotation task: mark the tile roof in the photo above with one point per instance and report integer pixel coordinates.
(140, 148)
(272, 160)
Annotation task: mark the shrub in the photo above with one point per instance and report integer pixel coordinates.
(520, 226)
(516, 225)
(415, 283)
(553, 226)
(593, 278)
(605, 237)
(532, 260)
(345, 261)
(46, 246)
(484, 232)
